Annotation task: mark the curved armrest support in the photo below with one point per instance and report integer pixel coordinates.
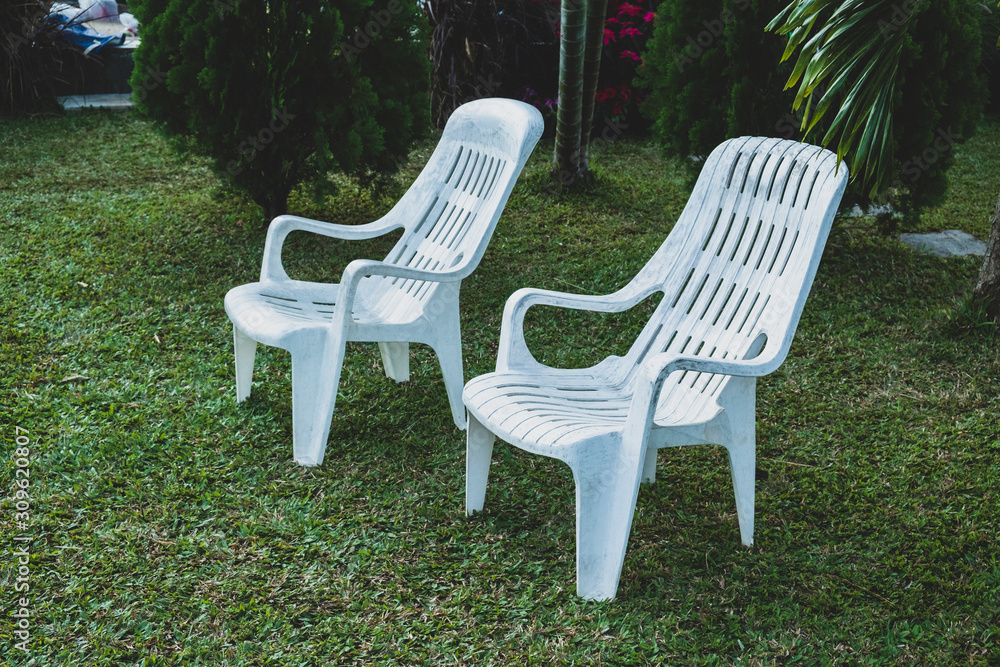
(361, 268)
(656, 369)
(659, 366)
(513, 351)
(283, 225)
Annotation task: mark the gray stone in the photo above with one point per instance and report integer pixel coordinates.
(872, 211)
(948, 243)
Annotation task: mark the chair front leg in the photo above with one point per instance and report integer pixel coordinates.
(246, 350)
(316, 367)
(478, 455)
(448, 348)
(607, 482)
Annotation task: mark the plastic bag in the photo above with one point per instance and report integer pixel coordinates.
(94, 10)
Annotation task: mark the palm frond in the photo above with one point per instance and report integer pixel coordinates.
(849, 55)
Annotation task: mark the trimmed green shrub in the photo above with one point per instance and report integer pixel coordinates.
(990, 59)
(283, 93)
(940, 98)
(714, 73)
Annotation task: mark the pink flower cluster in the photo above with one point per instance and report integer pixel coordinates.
(616, 97)
(627, 27)
(626, 30)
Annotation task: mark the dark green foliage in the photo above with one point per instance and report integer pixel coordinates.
(488, 48)
(713, 73)
(513, 51)
(28, 49)
(940, 96)
(753, 75)
(990, 58)
(282, 93)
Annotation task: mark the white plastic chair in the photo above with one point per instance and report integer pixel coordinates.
(734, 272)
(447, 217)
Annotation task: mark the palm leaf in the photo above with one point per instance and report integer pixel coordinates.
(849, 54)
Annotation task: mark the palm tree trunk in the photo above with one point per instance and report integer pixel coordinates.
(988, 284)
(596, 12)
(569, 113)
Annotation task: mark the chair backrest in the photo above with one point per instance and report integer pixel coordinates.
(452, 208)
(739, 263)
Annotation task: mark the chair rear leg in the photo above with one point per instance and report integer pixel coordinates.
(246, 350)
(649, 466)
(478, 456)
(315, 377)
(396, 360)
(740, 405)
(448, 348)
(743, 462)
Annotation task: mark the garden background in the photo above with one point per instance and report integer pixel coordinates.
(170, 526)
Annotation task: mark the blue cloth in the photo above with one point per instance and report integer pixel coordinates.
(86, 39)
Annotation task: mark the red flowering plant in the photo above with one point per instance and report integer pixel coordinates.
(629, 24)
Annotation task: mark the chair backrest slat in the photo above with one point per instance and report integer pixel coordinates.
(451, 210)
(461, 202)
(737, 266)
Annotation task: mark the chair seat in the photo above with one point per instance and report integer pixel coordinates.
(544, 413)
(270, 312)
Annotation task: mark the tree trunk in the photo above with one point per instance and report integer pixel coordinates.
(569, 113)
(596, 12)
(273, 204)
(988, 285)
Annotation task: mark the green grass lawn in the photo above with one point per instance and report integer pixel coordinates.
(170, 526)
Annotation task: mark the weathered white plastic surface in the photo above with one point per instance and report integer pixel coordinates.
(734, 272)
(448, 216)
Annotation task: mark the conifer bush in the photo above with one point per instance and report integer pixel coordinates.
(714, 73)
(941, 99)
(282, 93)
(989, 66)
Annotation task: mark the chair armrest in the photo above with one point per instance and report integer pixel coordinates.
(659, 366)
(272, 269)
(656, 369)
(361, 268)
(513, 351)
